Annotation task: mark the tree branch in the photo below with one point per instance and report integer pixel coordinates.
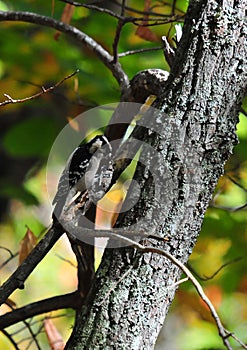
(8, 336)
(44, 91)
(70, 300)
(17, 279)
(75, 33)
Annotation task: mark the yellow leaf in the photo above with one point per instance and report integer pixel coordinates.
(109, 206)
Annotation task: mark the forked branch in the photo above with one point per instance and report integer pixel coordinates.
(75, 33)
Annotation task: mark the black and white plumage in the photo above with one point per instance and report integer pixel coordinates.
(88, 169)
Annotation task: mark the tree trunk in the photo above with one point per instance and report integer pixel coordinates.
(198, 114)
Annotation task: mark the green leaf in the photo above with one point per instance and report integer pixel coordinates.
(32, 137)
(11, 191)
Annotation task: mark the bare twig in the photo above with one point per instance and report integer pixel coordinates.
(70, 300)
(114, 14)
(174, 285)
(32, 334)
(206, 278)
(244, 346)
(230, 209)
(8, 260)
(27, 326)
(141, 12)
(7, 335)
(8, 250)
(236, 183)
(33, 338)
(133, 52)
(78, 35)
(173, 6)
(120, 25)
(66, 260)
(44, 91)
(93, 7)
(153, 22)
(116, 40)
(12, 256)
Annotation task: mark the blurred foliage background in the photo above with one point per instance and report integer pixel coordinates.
(33, 56)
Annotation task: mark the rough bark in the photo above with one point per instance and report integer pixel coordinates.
(197, 121)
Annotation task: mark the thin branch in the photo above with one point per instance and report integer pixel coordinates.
(93, 7)
(79, 232)
(207, 278)
(33, 338)
(7, 250)
(116, 40)
(174, 285)
(174, 6)
(121, 23)
(66, 260)
(156, 21)
(141, 12)
(230, 209)
(7, 335)
(133, 52)
(137, 21)
(244, 346)
(114, 14)
(70, 300)
(236, 183)
(17, 279)
(27, 326)
(32, 334)
(75, 33)
(12, 256)
(44, 91)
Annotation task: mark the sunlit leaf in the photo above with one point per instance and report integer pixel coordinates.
(143, 31)
(27, 244)
(66, 17)
(54, 337)
(146, 34)
(74, 123)
(109, 206)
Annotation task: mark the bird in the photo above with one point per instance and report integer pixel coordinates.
(87, 173)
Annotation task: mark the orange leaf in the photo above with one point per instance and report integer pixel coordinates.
(54, 337)
(73, 123)
(145, 32)
(52, 7)
(28, 242)
(214, 293)
(67, 13)
(66, 17)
